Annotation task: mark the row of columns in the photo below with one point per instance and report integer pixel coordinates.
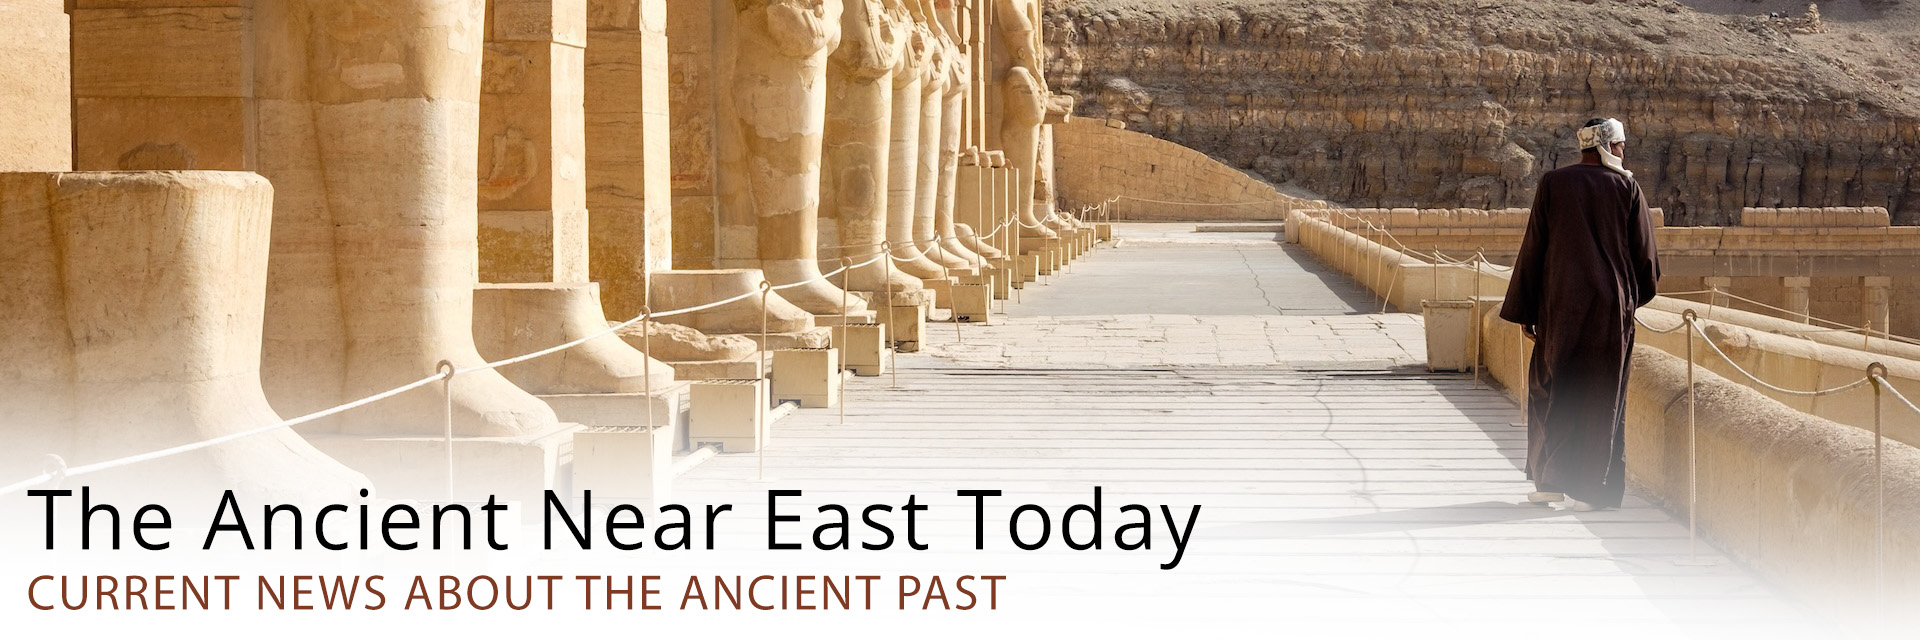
(463, 180)
(1876, 298)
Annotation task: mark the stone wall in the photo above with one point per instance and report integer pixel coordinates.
(1156, 179)
(1787, 354)
(1411, 102)
(1786, 488)
(1834, 269)
(1789, 494)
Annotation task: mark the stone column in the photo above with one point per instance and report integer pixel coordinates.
(368, 111)
(130, 320)
(36, 123)
(774, 113)
(703, 129)
(533, 192)
(904, 152)
(1025, 111)
(952, 129)
(854, 186)
(931, 189)
(362, 113)
(534, 230)
(629, 169)
(1797, 300)
(1877, 298)
(973, 206)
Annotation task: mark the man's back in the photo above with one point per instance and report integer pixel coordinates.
(1591, 240)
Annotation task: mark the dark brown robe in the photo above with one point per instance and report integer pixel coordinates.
(1587, 263)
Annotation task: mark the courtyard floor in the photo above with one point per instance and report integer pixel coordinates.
(1340, 480)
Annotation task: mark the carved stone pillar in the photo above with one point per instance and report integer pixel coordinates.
(773, 112)
(533, 191)
(130, 320)
(904, 152)
(855, 166)
(1798, 302)
(629, 169)
(1877, 299)
(36, 123)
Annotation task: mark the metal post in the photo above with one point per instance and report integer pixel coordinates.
(447, 371)
(1693, 448)
(846, 275)
(766, 379)
(1479, 258)
(1877, 372)
(646, 340)
(893, 320)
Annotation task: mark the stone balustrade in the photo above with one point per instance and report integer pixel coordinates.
(1785, 482)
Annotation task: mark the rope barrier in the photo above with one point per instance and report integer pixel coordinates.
(390, 393)
(1756, 379)
(1884, 383)
(448, 373)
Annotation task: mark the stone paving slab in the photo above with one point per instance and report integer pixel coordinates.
(1344, 486)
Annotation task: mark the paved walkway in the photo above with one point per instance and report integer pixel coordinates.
(1343, 484)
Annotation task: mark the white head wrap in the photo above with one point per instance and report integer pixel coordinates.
(1601, 137)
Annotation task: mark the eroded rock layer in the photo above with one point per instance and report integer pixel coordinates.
(1431, 103)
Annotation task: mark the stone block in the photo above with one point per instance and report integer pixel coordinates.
(631, 464)
(1027, 269)
(718, 369)
(942, 289)
(972, 302)
(662, 409)
(1449, 332)
(1003, 281)
(863, 348)
(729, 413)
(904, 328)
(809, 376)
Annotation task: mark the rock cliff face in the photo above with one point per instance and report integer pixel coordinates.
(1394, 103)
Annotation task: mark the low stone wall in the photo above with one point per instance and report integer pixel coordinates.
(1788, 493)
(1156, 179)
(1816, 217)
(1400, 279)
(1851, 272)
(1786, 354)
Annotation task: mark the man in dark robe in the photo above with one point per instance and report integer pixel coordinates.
(1587, 263)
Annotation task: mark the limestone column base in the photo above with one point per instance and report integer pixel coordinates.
(131, 310)
(863, 317)
(942, 289)
(697, 370)
(816, 338)
(1103, 231)
(918, 297)
(674, 290)
(519, 467)
(1003, 281)
(660, 409)
(975, 244)
(516, 319)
